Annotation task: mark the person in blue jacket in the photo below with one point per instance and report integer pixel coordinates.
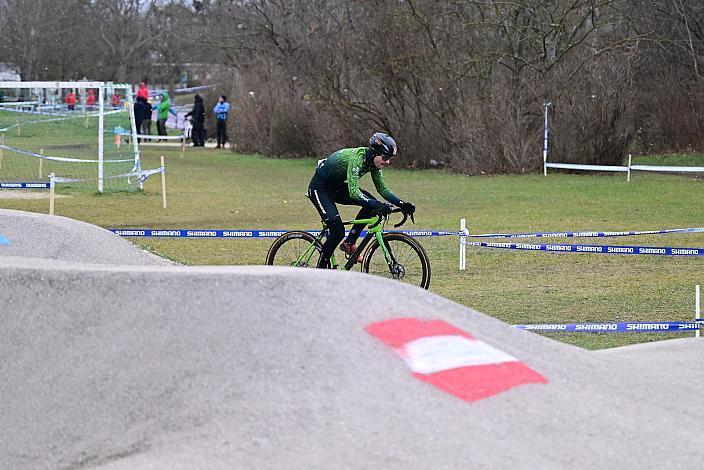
(221, 110)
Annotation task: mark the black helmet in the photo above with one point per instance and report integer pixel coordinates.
(382, 144)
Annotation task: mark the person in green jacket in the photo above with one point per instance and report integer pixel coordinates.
(163, 109)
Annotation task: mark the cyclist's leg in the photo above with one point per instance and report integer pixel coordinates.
(342, 196)
(324, 204)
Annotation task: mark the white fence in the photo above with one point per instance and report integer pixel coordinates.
(614, 168)
(624, 169)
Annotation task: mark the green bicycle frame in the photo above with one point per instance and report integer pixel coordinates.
(375, 230)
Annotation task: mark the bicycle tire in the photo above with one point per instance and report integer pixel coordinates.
(413, 263)
(288, 248)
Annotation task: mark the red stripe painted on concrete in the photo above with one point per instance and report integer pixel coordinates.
(399, 331)
(451, 359)
(479, 382)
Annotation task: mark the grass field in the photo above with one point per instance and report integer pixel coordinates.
(47, 135)
(219, 189)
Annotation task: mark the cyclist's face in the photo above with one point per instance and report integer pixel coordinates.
(379, 162)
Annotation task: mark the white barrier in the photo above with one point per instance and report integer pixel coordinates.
(613, 168)
(163, 141)
(158, 140)
(463, 244)
(19, 104)
(624, 169)
(674, 169)
(698, 315)
(575, 166)
(160, 137)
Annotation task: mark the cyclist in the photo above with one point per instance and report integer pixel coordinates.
(336, 180)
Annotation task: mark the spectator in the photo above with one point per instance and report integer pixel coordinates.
(221, 110)
(143, 91)
(71, 100)
(163, 109)
(90, 99)
(198, 116)
(141, 109)
(116, 100)
(147, 119)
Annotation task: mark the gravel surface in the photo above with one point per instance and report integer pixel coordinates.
(170, 367)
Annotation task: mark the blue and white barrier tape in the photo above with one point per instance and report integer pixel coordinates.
(604, 249)
(123, 132)
(63, 118)
(211, 233)
(141, 175)
(621, 327)
(24, 185)
(14, 104)
(586, 234)
(193, 88)
(60, 159)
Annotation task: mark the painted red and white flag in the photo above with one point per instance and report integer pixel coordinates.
(451, 359)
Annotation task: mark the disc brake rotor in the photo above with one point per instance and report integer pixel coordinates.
(398, 271)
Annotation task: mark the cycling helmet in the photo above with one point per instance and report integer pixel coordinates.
(382, 144)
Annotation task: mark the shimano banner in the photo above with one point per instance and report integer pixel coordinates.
(604, 249)
(623, 327)
(212, 233)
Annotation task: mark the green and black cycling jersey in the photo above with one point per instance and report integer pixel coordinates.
(349, 165)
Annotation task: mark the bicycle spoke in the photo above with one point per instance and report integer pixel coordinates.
(294, 250)
(292, 253)
(408, 266)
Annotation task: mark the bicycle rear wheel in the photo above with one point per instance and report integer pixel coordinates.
(409, 264)
(299, 249)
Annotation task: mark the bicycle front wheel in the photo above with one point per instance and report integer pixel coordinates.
(409, 263)
(298, 249)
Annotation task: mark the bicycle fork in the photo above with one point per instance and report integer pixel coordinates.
(397, 271)
(304, 259)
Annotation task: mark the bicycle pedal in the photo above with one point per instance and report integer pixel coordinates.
(349, 250)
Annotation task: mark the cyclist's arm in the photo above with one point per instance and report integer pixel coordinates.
(384, 190)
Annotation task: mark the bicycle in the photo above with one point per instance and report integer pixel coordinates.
(387, 254)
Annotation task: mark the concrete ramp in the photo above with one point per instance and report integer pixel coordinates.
(140, 367)
(35, 235)
(672, 362)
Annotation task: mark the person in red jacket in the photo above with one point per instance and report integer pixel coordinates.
(143, 91)
(90, 99)
(116, 101)
(71, 100)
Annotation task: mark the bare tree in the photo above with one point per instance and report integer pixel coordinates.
(456, 81)
(126, 34)
(41, 37)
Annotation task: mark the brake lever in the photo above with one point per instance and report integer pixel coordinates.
(405, 216)
(413, 220)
